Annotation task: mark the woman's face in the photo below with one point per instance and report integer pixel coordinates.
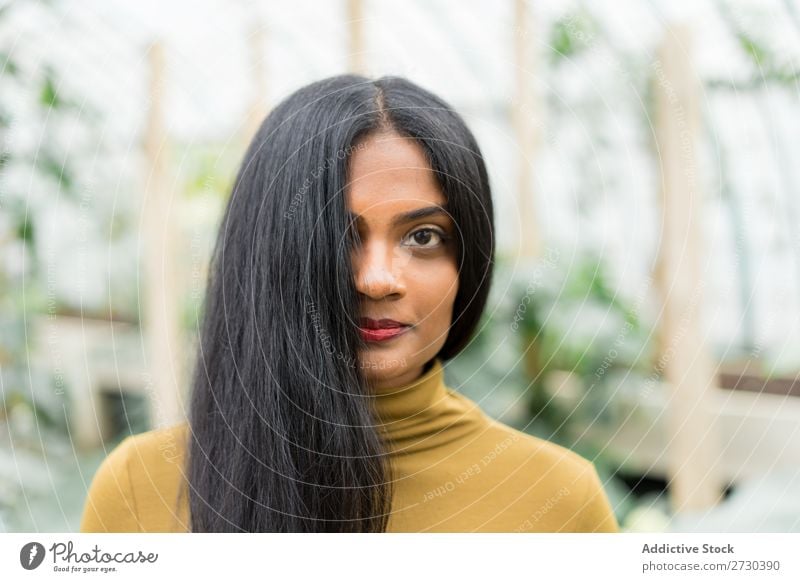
(405, 262)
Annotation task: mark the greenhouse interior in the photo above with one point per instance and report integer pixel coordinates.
(645, 306)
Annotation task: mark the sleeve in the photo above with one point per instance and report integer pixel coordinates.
(597, 515)
(110, 503)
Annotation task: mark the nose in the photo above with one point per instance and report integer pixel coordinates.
(378, 271)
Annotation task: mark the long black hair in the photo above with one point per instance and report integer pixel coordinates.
(282, 438)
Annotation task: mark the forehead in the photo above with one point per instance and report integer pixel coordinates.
(389, 170)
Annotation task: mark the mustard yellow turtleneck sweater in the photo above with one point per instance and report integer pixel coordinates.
(455, 470)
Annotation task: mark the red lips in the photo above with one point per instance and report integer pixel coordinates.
(378, 330)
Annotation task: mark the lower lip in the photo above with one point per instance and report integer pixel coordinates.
(381, 335)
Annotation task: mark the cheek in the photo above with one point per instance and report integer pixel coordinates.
(436, 295)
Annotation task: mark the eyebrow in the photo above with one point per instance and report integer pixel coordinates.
(409, 216)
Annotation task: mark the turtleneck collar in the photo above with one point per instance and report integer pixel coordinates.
(410, 402)
(425, 414)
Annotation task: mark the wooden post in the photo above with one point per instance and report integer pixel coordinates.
(258, 105)
(355, 36)
(525, 116)
(692, 441)
(164, 349)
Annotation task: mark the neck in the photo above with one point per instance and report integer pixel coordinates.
(400, 376)
(424, 413)
(412, 398)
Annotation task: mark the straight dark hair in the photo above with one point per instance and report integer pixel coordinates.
(282, 437)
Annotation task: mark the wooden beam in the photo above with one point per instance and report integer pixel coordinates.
(257, 110)
(164, 346)
(355, 36)
(526, 117)
(692, 441)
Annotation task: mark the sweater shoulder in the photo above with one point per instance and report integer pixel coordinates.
(522, 446)
(573, 483)
(559, 489)
(139, 485)
(158, 450)
(552, 460)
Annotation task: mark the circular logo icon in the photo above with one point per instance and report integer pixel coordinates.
(31, 555)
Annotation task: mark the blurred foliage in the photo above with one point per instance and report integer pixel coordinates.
(33, 425)
(755, 43)
(572, 34)
(544, 319)
(551, 317)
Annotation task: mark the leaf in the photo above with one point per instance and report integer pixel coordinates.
(755, 50)
(9, 67)
(52, 167)
(25, 230)
(49, 96)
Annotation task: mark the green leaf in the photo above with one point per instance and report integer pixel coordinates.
(8, 65)
(25, 230)
(52, 167)
(756, 51)
(49, 96)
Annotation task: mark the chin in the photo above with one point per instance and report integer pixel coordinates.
(379, 364)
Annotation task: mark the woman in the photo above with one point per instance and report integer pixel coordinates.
(353, 261)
